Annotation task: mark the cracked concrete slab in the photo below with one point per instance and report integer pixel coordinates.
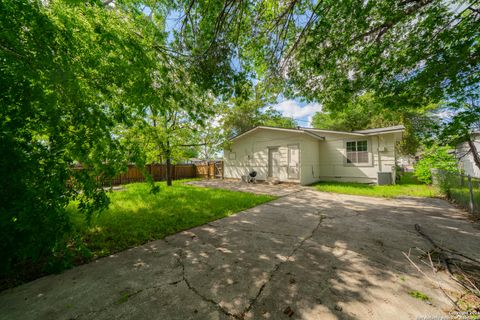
(91, 287)
(307, 255)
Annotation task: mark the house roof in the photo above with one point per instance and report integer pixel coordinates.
(399, 128)
(316, 133)
(293, 130)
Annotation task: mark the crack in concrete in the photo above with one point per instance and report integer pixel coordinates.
(196, 292)
(270, 232)
(179, 256)
(125, 297)
(277, 266)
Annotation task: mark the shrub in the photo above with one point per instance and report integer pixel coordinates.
(435, 157)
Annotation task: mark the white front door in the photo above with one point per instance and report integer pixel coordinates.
(273, 163)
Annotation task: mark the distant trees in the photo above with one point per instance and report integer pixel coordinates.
(406, 54)
(250, 108)
(366, 112)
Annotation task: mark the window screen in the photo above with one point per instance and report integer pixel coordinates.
(357, 151)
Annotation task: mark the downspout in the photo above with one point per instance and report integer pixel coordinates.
(394, 178)
(378, 155)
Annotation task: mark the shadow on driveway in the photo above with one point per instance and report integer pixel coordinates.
(308, 255)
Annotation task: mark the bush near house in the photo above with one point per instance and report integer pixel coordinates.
(435, 157)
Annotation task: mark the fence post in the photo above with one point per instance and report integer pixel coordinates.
(470, 189)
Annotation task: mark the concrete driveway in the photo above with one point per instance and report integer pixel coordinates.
(278, 190)
(308, 255)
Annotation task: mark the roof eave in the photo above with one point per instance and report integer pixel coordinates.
(384, 132)
(313, 135)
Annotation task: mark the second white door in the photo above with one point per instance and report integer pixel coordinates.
(273, 163)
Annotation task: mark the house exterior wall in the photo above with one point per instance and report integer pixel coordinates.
(333, 164)
(319, 160)
(466, 162)
(310, 161)
(251, 153)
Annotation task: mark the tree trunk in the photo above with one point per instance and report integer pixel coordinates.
(168, 156)
(169, 171)
(473, 149)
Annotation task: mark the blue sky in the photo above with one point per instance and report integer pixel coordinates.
(300, 111)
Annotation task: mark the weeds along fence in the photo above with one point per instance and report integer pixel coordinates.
(462, 189)
(205, 170)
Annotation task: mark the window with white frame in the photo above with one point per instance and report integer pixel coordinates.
(357, 151)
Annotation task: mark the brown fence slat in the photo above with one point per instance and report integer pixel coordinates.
(206, 170)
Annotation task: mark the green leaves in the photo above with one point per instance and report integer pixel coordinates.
(435, 157)
(100, 85)
(70, 73)
(405, 52)
(367, 111)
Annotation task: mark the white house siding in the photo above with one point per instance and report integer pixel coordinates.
(251, 153)
(310, 161)
(333, 164)
(388, 157)
(319, 159)
(466, 162)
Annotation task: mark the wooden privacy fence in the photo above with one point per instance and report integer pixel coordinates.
(206, 170)
(209, 170)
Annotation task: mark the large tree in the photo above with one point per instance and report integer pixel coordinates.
(367, 112)
(171, 111)
(70, 72)
(408, 53)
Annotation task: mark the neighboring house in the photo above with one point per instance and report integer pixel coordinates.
(465, 156)
(407, 162)
(307, 155)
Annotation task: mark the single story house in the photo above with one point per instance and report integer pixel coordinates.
(307, 155)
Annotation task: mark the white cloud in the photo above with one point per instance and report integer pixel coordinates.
(291, 108)
(445, 114)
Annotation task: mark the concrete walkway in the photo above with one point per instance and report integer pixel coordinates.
(308, 255)
(278, 190)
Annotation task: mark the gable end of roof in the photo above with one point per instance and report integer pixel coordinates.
(316, 133)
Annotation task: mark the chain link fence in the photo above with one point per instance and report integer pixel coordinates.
(462, 189)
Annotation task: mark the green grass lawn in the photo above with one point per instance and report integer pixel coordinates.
(408, 186)
(136, 216)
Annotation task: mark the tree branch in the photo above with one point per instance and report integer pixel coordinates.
(191, 145)
(473, 149)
